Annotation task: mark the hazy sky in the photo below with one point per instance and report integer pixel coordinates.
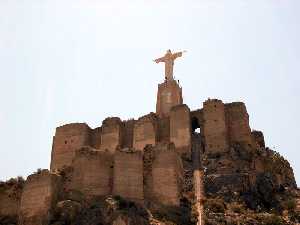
(65, 61)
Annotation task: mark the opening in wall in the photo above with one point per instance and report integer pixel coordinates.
(195, 125)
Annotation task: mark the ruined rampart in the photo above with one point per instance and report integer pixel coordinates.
(111, 136)
(92, 172)
(180, 128)
(214, 126)
(238, 123)
(10, 197)
(39, 196)
(127, 134)
(128, 174)
(67, 139)
(145, 130)
(167, 175)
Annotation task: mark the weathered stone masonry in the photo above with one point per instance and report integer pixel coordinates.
(39, 196)
(67, 139)
(145, 160)
(113, 162)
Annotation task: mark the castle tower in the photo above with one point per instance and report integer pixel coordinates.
(169, 92)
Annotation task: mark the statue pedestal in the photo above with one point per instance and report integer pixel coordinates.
(169, 94)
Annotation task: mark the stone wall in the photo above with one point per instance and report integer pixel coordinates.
(214, 127)
(169, 94)
(96, 137)
(163, 129)
(39, 196)
(67, 139)
(10, 193)
(145, 131)
(111, 136)
(127, 134)
(128, 174)
(167, 175)
(180, 128)
(92, 172)
(9, 206)
(238, 123)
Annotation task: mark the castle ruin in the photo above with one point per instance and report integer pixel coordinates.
(158, 157)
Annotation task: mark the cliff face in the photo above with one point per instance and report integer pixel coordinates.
(249, 185)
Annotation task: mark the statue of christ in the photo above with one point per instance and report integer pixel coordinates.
(169, 59)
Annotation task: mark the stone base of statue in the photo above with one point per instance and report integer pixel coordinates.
(169, 94)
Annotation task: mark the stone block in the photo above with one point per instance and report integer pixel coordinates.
(127, 134)
(167, 175)
(169, 94)
(96, 138)
(180, 128)
(144, 131)
(128, 174)
(67, 139)
(92, 172)
(111, 136)
(39, 196)
(214, 126)
(238, 123)
(163, 129)
(10, 193)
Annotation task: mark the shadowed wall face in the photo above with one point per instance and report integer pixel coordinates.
(67, 139)
(111, 134)
(180, 128)
(128, 175)
(92, 173)
(238, 123)
(144, 132)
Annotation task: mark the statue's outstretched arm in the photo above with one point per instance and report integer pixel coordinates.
(177, 54)
(162, 59)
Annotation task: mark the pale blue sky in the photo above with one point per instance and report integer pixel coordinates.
(65, 61)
